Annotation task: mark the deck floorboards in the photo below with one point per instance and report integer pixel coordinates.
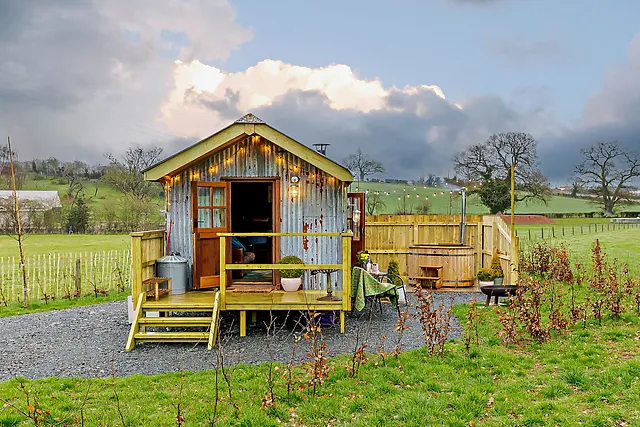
(275, 300)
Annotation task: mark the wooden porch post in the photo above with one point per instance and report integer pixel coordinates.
(223, 272)
(136, 267)
(346, 276)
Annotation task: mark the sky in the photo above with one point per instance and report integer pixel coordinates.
(410, 82)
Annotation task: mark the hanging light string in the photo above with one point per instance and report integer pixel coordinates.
(417, 196)
(297, 166)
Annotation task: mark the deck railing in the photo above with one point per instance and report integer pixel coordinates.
(146, 248)
(344, 266)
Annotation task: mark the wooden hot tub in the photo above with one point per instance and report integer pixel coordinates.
(457, 262)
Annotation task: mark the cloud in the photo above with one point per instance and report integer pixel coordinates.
(84, 77)
(413, 130)
(79, 78)
(611, 114)
(618, 100)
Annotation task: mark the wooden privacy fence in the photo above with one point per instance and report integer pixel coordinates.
(61, 275)
(390, 236)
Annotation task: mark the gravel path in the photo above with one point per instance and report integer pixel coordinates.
(89, 341)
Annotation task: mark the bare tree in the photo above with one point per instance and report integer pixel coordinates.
(374, 203)
(125, 174)
(6, 177)
(361, 165)
(609, 168)
(490, 164)
(72, 172)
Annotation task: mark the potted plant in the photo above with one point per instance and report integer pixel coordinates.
(496, 269)
(485, 277)
(291, 279)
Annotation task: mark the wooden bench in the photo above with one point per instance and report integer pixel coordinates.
(431, 275)
(157, 291)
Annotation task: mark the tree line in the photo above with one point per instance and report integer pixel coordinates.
(132, 209)
(606, 170)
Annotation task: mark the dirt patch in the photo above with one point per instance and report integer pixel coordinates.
(527, 219)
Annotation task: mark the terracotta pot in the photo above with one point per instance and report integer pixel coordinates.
(291, 284)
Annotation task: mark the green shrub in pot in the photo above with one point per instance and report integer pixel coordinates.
(485, 275)
(291, 274)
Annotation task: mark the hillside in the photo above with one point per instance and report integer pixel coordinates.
(106, 203)
(397, 196)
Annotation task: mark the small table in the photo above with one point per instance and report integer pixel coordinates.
(157, 292)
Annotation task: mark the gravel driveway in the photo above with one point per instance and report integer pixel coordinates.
(89, 341)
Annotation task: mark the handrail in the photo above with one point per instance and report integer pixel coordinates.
(283, 266)
(344, 267)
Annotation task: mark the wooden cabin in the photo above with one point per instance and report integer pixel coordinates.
(237, 202)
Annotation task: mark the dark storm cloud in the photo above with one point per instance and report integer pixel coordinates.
(81, 77)
(418, 135)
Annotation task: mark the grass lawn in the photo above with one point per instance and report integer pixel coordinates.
(620, 244)
(588, 376)
(37, 244)
(14, 308)
(439, 203)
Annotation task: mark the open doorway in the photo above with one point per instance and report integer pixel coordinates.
(253, 210)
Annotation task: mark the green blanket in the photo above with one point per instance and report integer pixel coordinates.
(365, 285)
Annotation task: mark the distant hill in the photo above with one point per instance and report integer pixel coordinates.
(398, 196)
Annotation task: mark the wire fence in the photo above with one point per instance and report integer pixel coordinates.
(533, 233)
(65, 275)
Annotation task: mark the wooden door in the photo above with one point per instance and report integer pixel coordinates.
(355, 208)
(210, 215)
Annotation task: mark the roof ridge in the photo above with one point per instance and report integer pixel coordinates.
(251, 119)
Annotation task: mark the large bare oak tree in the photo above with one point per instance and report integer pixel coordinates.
(489, 164)
(361, 165)
(608, 169)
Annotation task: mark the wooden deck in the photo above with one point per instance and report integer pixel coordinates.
(242, 302)
(236, 301)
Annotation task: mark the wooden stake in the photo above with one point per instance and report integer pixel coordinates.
(78, 277)
(25, 284)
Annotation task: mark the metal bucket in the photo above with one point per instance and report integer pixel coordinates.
(177, 268)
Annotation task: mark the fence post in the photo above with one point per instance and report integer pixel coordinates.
(479, 245)
(78, 278)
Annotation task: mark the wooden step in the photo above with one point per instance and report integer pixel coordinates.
(172, 336)
(427, 278)
(169, 306)
(437, 267)
(175, 321)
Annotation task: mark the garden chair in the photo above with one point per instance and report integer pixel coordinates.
(364, 285)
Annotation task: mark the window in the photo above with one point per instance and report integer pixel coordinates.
(211, 205)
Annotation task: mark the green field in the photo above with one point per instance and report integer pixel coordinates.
(395, 197)
(38, 244)
(586, 376)
(96, 193)
(619, 244)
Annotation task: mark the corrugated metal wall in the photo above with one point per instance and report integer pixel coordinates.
(319, 207)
